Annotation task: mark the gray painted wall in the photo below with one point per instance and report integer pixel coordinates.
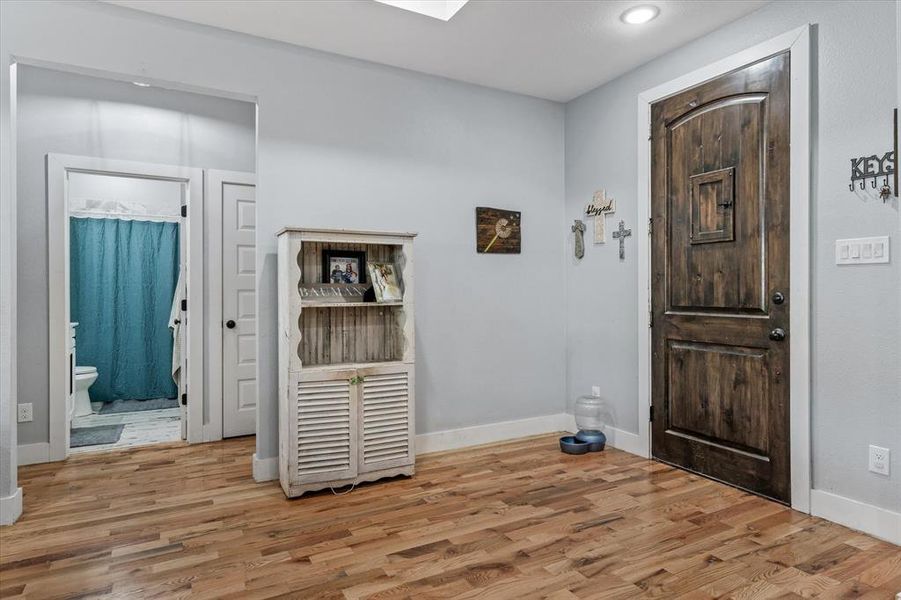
(344, 143)
(375, 147)
(73, 114)
(856, 310)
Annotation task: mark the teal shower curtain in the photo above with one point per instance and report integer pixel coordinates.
(122, 279)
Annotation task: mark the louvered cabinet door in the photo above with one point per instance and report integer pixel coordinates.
(326, 426)
(386, 423)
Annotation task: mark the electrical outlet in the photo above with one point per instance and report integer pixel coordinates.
(26, 413)
(596, 390)
(879, 460)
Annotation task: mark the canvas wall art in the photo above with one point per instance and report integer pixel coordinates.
(498, 231)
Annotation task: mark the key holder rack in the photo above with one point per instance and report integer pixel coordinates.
(874, 167)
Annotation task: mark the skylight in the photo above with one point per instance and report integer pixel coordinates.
(437, 9)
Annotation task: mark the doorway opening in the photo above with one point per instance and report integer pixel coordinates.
(126, 283)
(75, 127)
(126, 252)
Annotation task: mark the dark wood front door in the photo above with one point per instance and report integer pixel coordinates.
(720, 278)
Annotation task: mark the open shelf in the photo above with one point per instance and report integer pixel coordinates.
(353, 332)
(306, 304)
(355, 365)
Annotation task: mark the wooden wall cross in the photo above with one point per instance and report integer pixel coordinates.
(601, 204)
(621, 234)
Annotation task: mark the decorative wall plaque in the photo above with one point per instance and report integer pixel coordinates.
(331, 292)
(600, 205)
(498, 231)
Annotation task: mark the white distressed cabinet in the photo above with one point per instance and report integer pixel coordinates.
(346, 369)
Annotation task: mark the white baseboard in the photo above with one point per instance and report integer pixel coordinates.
(10, 507)
(265, 469)
(873, 520)
(212, 434)
(452, 439)
(626, 441)
(32, 454)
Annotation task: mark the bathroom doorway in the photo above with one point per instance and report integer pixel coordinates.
(126, 249)
(125, 288)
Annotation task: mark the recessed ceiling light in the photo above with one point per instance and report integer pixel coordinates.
(437, 9)
(640, 14)
(140, 84)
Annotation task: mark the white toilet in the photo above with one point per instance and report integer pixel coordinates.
(84, 378)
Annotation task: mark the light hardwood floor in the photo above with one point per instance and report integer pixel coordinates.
(519, 520)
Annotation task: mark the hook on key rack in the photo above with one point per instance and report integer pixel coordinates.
(872, 168)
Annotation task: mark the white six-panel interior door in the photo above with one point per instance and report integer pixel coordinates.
(239, 324)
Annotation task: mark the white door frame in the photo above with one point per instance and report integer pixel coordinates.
(58, 167)
(214, 179)
(797, 42)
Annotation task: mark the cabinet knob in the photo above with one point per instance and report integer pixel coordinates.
(777, 335)
(230, 324)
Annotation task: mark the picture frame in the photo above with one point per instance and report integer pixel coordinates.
(385, 282)
(343, 266)
(498, 231)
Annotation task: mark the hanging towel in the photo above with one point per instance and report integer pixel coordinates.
(175, 318)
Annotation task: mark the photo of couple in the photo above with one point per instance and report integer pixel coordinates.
(343, 266)
(344, 270)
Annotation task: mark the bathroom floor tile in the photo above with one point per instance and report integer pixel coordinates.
(141, 428)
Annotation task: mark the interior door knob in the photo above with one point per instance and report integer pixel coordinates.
(777, 335)
(230, 324)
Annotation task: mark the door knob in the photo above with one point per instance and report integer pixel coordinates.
(778, 298)
(230, 324)
(777, 335)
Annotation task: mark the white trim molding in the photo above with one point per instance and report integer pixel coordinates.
(11, 507)
(33, 454)
(452, 439)
(57, 168)
(873, 520)
(265, 469)
(797, 42)
(8, 269)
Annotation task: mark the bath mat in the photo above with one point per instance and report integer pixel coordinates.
(123, 406)
(95, 436)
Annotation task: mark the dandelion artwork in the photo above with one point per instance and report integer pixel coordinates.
(498, 231)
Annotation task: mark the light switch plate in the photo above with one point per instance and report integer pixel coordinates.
(879, 460)
(862, 251)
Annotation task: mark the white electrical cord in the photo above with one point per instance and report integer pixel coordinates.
(352, 487)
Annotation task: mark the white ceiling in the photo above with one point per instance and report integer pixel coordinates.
(554, 49)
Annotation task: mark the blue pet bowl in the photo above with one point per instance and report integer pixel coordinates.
(570, 445)
(596, 440)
